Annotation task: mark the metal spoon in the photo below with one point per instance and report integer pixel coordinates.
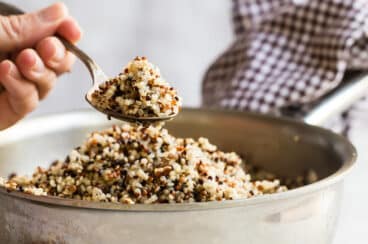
(98, 77)
(97, 74)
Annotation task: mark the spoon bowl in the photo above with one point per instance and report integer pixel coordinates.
(98, 77)
(125, 117)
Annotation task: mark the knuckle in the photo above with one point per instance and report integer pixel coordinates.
(27, 103)
(12, 27)
(46, 89)
(47, 84)
(50, 39)
(50, 78)
(72, 59)
(44, 42)
(27, 92)
(30, 105)
(68, 62)
(44, 94)
(22, 56)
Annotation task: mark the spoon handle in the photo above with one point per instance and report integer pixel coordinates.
(95, 71)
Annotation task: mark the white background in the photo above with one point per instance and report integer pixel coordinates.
(182, 38)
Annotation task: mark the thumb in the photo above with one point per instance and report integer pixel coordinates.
(20, 31)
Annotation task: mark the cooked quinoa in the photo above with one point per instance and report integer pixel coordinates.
(137, 164)
(143, 163)
(139, 91)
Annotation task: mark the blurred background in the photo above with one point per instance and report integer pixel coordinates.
(182, 38)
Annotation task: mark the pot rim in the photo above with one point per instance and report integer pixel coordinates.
(72, 118)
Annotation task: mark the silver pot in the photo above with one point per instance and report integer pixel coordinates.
(303, 215)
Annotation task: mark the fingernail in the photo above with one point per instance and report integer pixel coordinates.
(55, 12)
(37, 67)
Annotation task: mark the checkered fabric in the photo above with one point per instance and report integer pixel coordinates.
(287, 53)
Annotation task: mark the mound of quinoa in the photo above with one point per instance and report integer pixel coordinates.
(138, 91)
(145, 164)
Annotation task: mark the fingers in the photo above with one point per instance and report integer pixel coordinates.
(33, 74)
(41, 67)
(19, 31)
(54, 55)
(21, 96)
(34, 70)
(26, 81)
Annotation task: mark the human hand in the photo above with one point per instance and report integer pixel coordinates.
(31, 58)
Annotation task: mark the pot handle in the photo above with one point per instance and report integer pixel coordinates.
(353, 87)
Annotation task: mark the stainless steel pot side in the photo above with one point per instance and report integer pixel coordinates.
(304, 215)
(286, 147)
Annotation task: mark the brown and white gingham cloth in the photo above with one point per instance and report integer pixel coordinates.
(287, 52)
